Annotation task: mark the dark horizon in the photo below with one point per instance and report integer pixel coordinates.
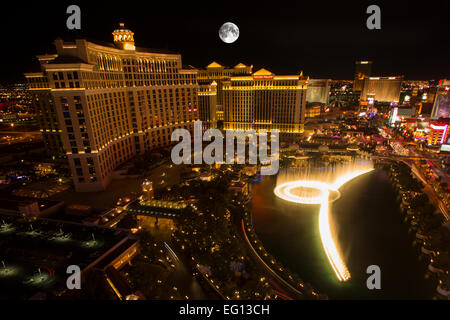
(322, 40)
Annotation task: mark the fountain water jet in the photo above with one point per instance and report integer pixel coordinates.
(298, 186)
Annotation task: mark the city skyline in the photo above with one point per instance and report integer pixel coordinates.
(323, 41)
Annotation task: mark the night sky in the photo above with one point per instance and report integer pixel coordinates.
(321, 38)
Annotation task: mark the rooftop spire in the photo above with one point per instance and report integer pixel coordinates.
(124, 38)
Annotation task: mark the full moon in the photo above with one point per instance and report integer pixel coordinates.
(229, 32)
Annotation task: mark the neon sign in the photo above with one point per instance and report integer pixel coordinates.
(263, 76)
(436, 127)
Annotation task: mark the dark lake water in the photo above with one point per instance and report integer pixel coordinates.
(368, 230)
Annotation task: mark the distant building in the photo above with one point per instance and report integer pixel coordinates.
(265, 101)
(207, 105)
(439, 132)
(211, 84)
(441, 106)
(318, 91)
(45, 108)
(382, 89)
(363, 69)
(313, 111)
(112, 102)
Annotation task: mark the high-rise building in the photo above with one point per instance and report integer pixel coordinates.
(363, 69)
(318, 91)
(207, 105)
(217, 73)
(114, 101)
(265, 101)
(44, 106)
(439, 132)
(382, 89)
(441, 106)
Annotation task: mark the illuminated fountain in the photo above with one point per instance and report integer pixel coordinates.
(320, 185)
(4, 270)
(7, 271)
(62, 236)
(39, 279)
(91, 243)
(32, 232)
(6, 227)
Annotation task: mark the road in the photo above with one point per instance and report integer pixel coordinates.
(182, 279)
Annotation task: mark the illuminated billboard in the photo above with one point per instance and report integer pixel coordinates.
(394, 116)
(445, 147)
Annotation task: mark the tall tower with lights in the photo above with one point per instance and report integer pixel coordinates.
(147, 190)
(124, 38)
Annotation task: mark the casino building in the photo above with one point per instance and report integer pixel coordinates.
(266, 101)
(207, 105)
(112, 102)
(211, 82)
(441, 106)
(382, 89)
(439, 132)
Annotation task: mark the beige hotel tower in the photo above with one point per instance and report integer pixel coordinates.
(112, 101)
(210, 80)
(265, 101)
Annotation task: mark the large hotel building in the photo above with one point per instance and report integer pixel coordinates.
(441, 106)
(265, 101)
(211, 82)
(363, 69)
(111, 102)
(382, 89)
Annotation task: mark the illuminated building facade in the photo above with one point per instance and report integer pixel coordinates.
(115, 101)
(216, 73)
(439, 132)
(318, 91)
(147, 190)
(313, 111)
(44, 106)
(363, 69)
(207, 105)
(265, 101)
(382, 89)
(441, 106)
